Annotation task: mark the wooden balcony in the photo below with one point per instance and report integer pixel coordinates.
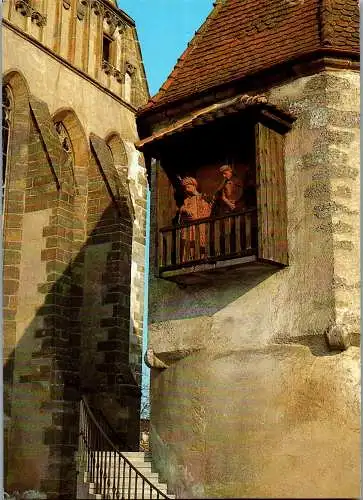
(194, 252)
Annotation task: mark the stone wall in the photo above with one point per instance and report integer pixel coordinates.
(329, 164)
(74, 31)
(258, 390)
(73, 248)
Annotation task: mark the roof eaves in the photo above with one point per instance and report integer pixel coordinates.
(320, 52)
(219, 110)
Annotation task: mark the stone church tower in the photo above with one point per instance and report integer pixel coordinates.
(253, 147)
(74, 201)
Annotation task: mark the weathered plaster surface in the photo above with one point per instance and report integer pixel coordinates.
(260, 402)
(320, 286)
(275, 422)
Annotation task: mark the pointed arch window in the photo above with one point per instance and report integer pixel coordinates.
(7, 109)
(67, 146)
(66, 142)
(118, 150)
(64, 138)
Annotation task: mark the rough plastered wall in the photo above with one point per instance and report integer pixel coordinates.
(42, 357)
(264, 407)
(332, 168)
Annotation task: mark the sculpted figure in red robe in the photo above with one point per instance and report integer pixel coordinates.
(229, 201)
(194, 207)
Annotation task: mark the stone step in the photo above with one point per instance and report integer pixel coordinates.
(111, 462)
(138, 496)
(120, 463)
(126, 482)
(133, 454)
(138, 460)
(152, 477)
(139, 493)
(116, 464)
(154, 480)
(121, 460)
(143, 467)
(142, 454)
(144, 470)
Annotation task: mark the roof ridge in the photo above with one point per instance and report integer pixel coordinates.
(258, 43)
(189, 49)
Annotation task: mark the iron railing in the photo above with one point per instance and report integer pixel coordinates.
(112, 475)
(110, 432)
(208, 240)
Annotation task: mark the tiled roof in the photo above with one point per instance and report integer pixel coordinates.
(243, 37)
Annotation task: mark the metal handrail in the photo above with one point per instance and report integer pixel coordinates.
(107, 427)
(95, 447)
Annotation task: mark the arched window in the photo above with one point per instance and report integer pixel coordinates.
(7, 105)
(118, 150)
(67, 146)
(64, 138)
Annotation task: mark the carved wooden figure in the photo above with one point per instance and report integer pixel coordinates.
(230, 193)
(195, 207)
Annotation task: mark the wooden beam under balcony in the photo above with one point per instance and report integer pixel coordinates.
(206, 272)
(205, 250)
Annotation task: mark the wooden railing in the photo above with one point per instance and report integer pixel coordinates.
(208, 240)
(108, 470)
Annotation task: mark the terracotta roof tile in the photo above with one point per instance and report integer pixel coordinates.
(242, 37)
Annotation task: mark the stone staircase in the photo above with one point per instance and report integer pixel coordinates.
(121, 480)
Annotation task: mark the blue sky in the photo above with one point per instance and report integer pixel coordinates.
(164, 28)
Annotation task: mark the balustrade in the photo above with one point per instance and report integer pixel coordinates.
(111, 473)
(208, 240)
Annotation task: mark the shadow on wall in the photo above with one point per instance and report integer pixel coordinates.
(68, 230)
(193, 301)
(77, 343)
